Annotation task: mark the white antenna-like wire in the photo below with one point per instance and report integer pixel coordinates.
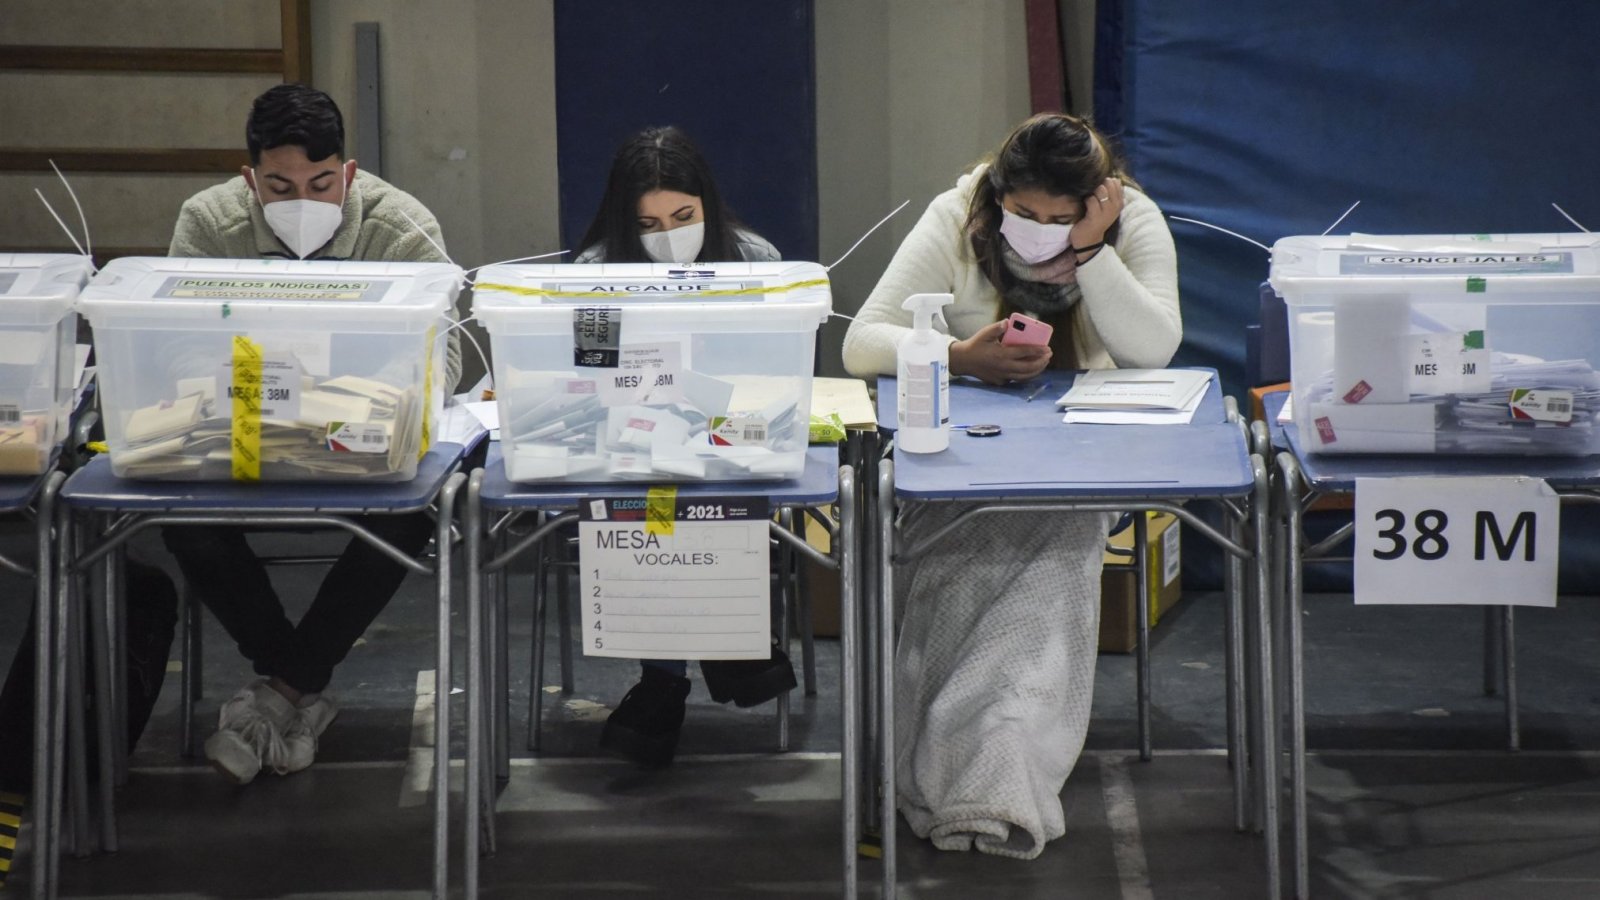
(64, 229)
(1342, 218)
(1223, 230)
(517, 260)
(467, 333)
(426, 236)
(867, 235)
(87, 243)
(1571, 219)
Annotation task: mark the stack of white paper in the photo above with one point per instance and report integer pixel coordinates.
(1135, 396)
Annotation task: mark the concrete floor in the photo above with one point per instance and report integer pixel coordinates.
(1412, 794)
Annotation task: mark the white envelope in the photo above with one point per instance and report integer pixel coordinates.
(1373, 427)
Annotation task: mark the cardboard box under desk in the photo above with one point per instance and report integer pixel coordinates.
(1119, 618)
(822, 583)
(1119, 625)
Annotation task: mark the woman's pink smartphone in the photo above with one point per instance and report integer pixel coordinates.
(1026, 330)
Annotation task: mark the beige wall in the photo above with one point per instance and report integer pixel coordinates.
(1077, 22)
(110, 110)
(468, 113)
(910, 93)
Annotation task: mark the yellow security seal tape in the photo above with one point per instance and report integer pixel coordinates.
(246, 409)
(427, 396)
(660, 509)
(720, 292)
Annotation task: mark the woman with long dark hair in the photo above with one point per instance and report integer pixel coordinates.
(662, 205)
(997, 648)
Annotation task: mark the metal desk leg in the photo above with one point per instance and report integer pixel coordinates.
(866, 617)
(786, 562)
(1492, 650)
(1270, 785)
(441, 692)
(472, 807)
(849, 676)
(192, 680)
(499, 601)
(565, 574)
(70, 584)
(61, 654)
(1141, 593)
(1290, 492)
(104, 700)
(1509, 663)
(803, 616)
(46, 755)
(490, 662)
(541, 572)
(116, 606)
(885, 661)
(493, 706)
(1239, 761)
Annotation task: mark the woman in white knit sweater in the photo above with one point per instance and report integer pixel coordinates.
(995, 663)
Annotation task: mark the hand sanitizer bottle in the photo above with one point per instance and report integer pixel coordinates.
(923, 379)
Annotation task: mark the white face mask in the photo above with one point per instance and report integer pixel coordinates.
(1034, 241)
(681, 244)
(303, 225)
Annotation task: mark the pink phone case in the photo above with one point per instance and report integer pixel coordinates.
(1021, 329)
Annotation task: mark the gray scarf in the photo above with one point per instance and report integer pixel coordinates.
(1042, 289)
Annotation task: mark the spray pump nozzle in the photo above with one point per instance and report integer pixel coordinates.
(924, 307)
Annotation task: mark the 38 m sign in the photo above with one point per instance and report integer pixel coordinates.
(1477, 540)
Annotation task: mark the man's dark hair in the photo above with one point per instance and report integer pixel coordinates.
(295, 114)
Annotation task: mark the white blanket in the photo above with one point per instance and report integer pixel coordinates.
(995, 674)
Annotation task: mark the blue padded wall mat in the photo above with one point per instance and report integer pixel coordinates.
(738, 77)
(1270, 119)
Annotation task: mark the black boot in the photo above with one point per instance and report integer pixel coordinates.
(644, 727)
(749, 682)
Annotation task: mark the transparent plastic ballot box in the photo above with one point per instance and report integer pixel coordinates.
(1449, 344)
(650, 372)
(269, 370)
(37, 330)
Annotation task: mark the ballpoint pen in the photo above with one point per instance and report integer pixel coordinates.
(1036, 391)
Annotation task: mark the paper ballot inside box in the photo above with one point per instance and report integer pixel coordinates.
(653, 372)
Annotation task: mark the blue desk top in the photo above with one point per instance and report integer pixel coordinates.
(1036, 456)
(1338, 472)
(819, 483)
(17, 491)
(94, 487)
(1007, 406)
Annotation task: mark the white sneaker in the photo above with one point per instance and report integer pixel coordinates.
(311, 719)
(250, 732)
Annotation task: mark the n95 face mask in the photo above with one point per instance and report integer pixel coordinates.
(303, 225)
(681, 244)
(1034, 241)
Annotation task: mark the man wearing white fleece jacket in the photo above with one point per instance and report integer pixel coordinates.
(996, 657)
(298, 199)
